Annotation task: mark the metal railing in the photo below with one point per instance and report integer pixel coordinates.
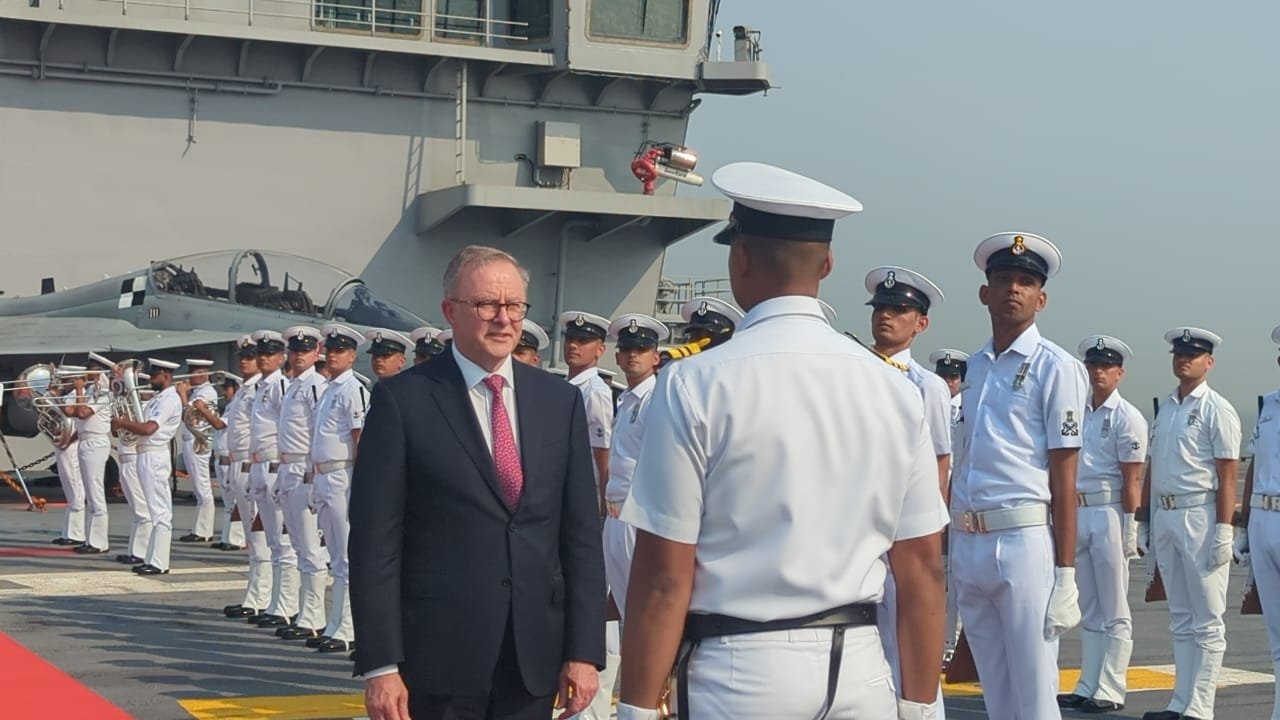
(373, 17)
(675, 292)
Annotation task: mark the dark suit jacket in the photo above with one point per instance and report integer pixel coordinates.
(439, 565)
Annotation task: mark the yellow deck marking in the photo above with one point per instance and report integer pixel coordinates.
(296, 707)
(1140, 678)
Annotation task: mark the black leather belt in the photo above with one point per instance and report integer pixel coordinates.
(698, 627)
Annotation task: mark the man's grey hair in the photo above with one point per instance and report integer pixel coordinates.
(475, 257)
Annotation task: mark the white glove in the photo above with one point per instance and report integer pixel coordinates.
(631, 712)
(1130, 527)
(1240, 548)
(1144, 538)
(1064, 604)
(1220, 551)
(908, 710)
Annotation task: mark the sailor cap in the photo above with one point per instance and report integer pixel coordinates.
(1191, 341)
(532, 335)
(269, 342)
(774, 203)
(1018, 251)
(340, 337)
(232, 378)
(637, 330)
(64, 370)
(246, 346)
(713, 313)
(584, 325)
(387, 342)
(157, 365)
(828, 312)
(894, 286)
(101, 360)
(424, 340)
(949, 362)
(198, 363)
(303, 338)
(1104, 350)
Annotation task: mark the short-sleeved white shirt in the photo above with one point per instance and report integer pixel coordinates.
(97, 396)
(165, 410)
(297, 412)
(598, 399)
(793, 459)
(1114, 433)
(1187, 437)
(342, 409)
(1017, 407)
(1265, 447)
(937, 401)
(628, 436)
(265, 420)
(239, 418)
(205, 393)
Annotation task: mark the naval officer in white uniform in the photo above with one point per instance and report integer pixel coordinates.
(1258, 541)
(92, 412)
(425, 344)
(204, 398)
(584, 335)
(231, 534)
(533, 342)
(239, 414)
(1015, 475)
(264, 429)
(1108, 486)
(743, 499)
(1190, 494)
(951, 365)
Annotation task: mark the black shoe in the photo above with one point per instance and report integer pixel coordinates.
(150, 570)
(129, 559)
(352, 656)
(242, 612)
(192, 537)
(1071, 700)
(299, 633)
(229, 546)
(1162, 715)
(66, 541)
(1094, 707)
(316, 642)
(269, 621)
(229, 609)
(89, 550)
(333, 646)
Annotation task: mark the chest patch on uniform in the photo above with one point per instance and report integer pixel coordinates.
(1106, 427)
(1021, 378)
(1193, 418)
(635, 413)
(1070, 426)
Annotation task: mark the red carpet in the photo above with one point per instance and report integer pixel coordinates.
(52, 551)
(32, 688)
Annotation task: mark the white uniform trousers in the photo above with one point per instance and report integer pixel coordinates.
(284, 561)
(232, 532)
(1197, 599)
(330, 497)
(68, 462)
(1264, 552)
(304, 533)
(783, 675)
(257, 594)
(1003, 580)
(131, 485)
(93, 454)
(619, 548)
(198, 470)
(1102, 576)
(154, 470)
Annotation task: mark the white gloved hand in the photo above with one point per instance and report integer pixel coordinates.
(1220, 550)
(631, 712)
(1064, 604)
(1240, 548)
(1130, 526)
(908, 710)
(1144, 538)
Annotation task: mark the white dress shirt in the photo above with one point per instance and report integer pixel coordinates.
(1265, 447)
(628, 436)
(1187, 437)
(98, 397)
(937, 401)
(239, 419)
(482, 400)
(265, 420)
(341, 411)
(765, 451)
(1017, 407)
(1114, 433)
(297, 411)
(598, 399)
(165, 410)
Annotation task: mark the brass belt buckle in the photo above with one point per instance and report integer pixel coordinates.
(1271, 502)
(1081, 500)
(1169, 502)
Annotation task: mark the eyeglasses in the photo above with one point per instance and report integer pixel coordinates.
(488, 309)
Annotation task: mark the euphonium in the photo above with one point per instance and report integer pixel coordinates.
(199, 428)
(126, 403)
(34, 388)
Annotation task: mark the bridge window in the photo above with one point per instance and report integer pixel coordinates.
(394, 17)
(664, 21)
(460, 19)
(531, 19)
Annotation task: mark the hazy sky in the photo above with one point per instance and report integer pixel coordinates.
(1140, 137)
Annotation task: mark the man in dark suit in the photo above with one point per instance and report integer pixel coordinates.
(477, 575)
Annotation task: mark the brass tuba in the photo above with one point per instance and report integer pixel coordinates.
(126, 402)
(199, 428)
(34, 389)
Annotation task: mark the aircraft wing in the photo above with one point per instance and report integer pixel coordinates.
(45, 335)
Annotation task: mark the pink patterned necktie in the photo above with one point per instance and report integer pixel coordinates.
(506, 459)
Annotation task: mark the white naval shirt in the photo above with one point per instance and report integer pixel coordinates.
(239, 419)
(297, 412)
(482, 399)
(265, 420)
(341, 410)
(1265, 447)
(937, 401)
(598, 399)
(1017, 407)
(165, 410)
(220, 436)
(1114, 433)
(628, 436)
(1187, 436)
(206, 393)
(97, 396)
(796, 434)
(957, 422)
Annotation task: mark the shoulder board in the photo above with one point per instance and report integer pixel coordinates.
(903, 367)
(364, 400)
